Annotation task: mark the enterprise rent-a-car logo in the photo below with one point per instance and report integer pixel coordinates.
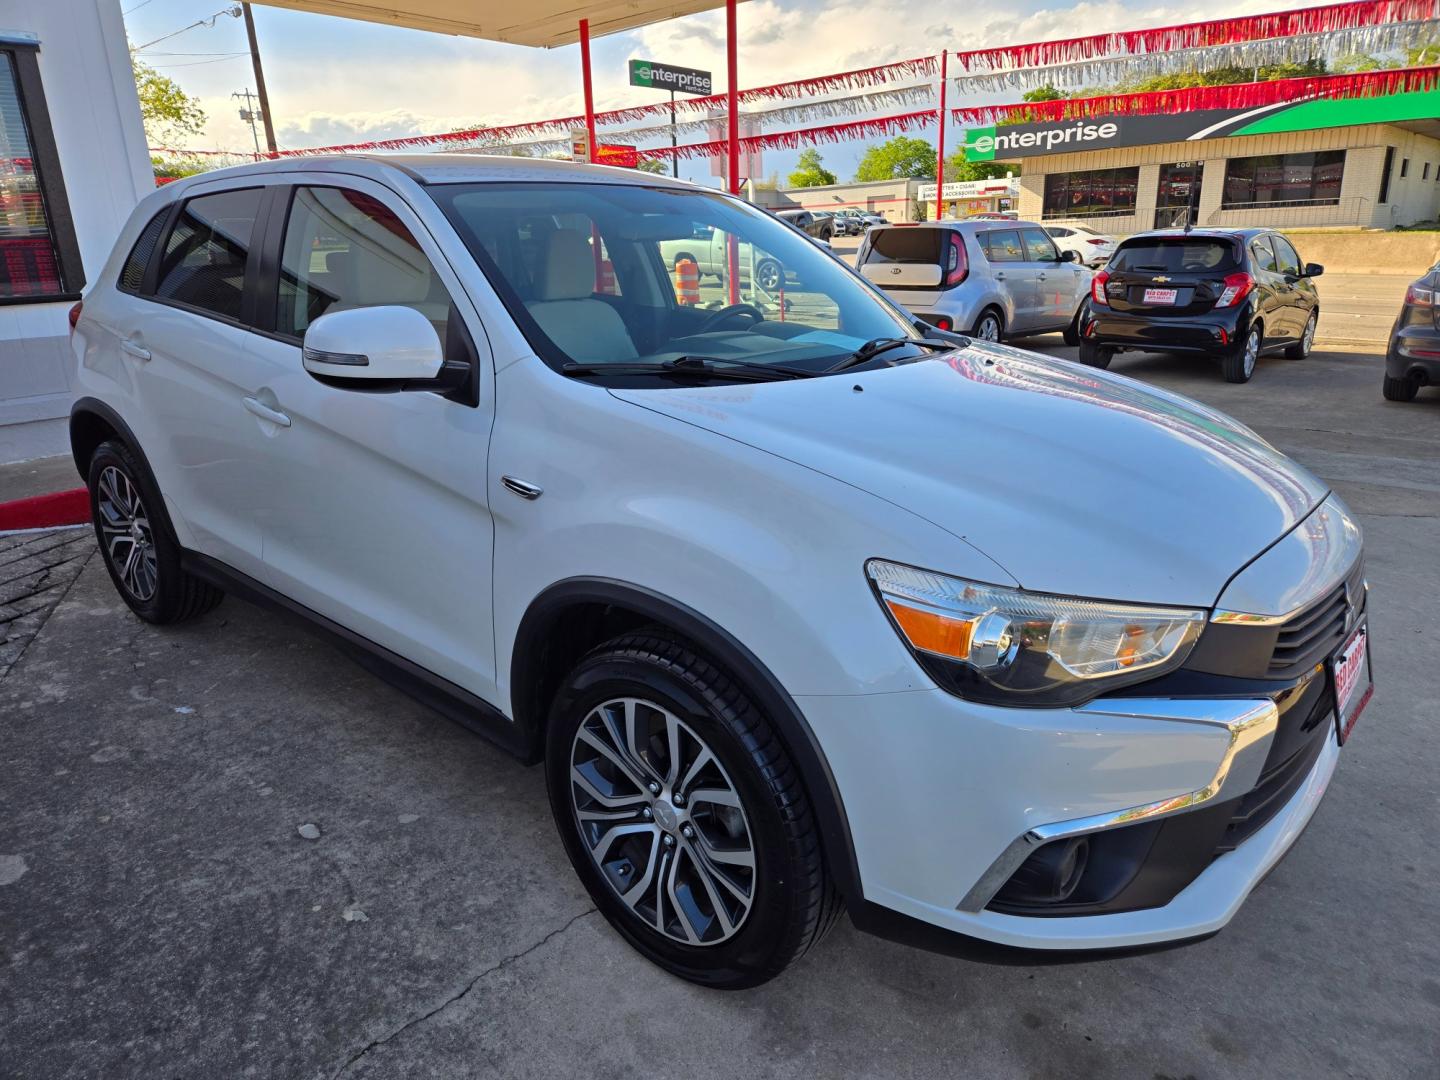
(982, 143)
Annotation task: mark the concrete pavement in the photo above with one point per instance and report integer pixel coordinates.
(162, 915)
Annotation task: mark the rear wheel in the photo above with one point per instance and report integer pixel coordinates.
(683, 815)
(1301, 349)
(1399, 389)
(1239, 363)
(989, 326)
(141, 554)
(768, 275)
(1096, 356)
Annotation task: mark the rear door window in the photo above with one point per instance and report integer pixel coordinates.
(912, 246)
(1264, 257)
(1183, 255)
(205, 255)
(1002, 245)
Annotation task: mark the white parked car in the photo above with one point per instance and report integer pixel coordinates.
(830, 613)
(1090, 247)
(987, 277)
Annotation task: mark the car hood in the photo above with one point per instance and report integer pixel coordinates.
(1074, 480)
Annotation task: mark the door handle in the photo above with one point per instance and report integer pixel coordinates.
(1040, 276)
(137, 351)
(260, 409)
(523, 488)
(1000, 276)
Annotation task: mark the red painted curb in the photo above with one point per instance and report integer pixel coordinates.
(46, 511)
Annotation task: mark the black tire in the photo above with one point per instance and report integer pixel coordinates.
(151, 580)
(793, 902)
(1071, 333)
(987, 319)
(1096, 356)
(769, 270)
(1399, 389)
(1301, 349)
(1238, 365)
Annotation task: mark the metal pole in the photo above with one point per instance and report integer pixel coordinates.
(259, 79)
(589, 91)
(674, 158)
(940, 151)
(732, 99)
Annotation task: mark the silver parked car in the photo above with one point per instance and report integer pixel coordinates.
(990, 279)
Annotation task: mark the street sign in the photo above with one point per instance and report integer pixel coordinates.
(665, 77)
(579, 144)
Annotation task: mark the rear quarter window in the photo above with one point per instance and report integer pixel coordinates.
(132, 274)
(913, 246)
(1191, 254)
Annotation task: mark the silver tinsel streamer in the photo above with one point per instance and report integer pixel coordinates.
(855, 105)
(1116, 70)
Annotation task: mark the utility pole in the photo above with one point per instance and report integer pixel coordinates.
(259, 80)
(249, 113)
(674, 158)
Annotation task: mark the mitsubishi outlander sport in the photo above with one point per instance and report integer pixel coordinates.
(805, 607)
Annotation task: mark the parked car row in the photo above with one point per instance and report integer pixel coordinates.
(1413, 357)
(831, 612)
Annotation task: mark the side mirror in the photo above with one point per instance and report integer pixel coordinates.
(1069, 256)
(1313, 270)
(384, 348)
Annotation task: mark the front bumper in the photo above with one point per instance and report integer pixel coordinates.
(941, 792)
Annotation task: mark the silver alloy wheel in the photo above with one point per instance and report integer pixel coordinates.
(1307, 340)
(768, 275)
(989, 328)
(125, 527)
(1252, 352)
(662, 821)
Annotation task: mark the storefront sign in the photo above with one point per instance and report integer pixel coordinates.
(664, 77)
(1006, 188)
(1005, 141)
(625, 156)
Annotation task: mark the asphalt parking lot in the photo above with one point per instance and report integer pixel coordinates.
(162, 914)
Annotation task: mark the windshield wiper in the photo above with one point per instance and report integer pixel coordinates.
(872, 349)
(703, 367)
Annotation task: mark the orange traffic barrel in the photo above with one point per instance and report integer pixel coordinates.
(687, 282)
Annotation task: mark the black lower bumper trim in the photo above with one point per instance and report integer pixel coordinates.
(883, 922)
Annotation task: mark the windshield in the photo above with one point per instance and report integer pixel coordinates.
(600, 274)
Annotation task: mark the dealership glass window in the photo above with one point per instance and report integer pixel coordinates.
(1284, 180)
(39, 258)
(1425, 171)
(1086, 194)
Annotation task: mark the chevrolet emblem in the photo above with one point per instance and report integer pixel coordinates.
(1161, 278)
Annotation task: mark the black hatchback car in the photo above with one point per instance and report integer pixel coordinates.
(1227, 293)
(1413, 358)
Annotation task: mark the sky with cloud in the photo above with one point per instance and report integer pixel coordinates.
(334, 80)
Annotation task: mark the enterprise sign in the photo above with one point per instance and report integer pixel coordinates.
(665, 77)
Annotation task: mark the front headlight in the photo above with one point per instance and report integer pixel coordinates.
(1010, 647)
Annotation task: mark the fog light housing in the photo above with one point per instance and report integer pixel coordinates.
(1049, 875)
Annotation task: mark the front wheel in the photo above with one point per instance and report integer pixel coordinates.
(683, 814)
(1071, 334)
(1238, 364)
(769, 276)
(1301, 349)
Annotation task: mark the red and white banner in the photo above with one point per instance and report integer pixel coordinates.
(1229, 96)
(1279, 24)
(792, 140)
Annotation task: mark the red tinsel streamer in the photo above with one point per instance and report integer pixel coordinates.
(791, 140)
(1317, 20)
(1252, 95)
(845, 80)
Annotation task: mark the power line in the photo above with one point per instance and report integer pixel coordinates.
(137, 7)
(209, 20)
(198, 63)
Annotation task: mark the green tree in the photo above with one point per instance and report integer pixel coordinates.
(810, 172)
(169, 113)
(1423, 55)
(899, 158)
(652, 165)
(175, 168)
(958, 168)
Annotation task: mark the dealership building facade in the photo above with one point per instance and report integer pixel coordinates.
(1338, 163)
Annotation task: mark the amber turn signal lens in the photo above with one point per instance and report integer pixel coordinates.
(929, 632)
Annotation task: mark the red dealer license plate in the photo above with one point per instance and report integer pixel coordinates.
(1161, 296)
(1350, 670)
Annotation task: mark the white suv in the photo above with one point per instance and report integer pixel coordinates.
(802, 613)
